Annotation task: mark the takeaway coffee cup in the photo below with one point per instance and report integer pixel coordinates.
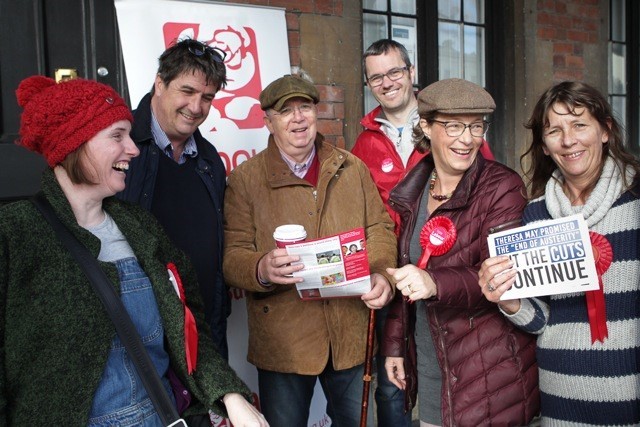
(288, 234)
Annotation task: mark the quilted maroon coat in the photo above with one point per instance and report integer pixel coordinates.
(490, 374)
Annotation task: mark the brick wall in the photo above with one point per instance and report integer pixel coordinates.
(570, 25)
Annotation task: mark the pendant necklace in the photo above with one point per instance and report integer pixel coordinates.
(432, 183)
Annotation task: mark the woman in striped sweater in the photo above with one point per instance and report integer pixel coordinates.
(578, 164)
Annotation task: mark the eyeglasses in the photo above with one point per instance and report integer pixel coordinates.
(199, 49)
(393, 75)
(288, 112)
(455, 129)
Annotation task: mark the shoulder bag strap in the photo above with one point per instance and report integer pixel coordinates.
(118, 314)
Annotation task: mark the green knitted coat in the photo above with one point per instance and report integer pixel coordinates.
(55, 334)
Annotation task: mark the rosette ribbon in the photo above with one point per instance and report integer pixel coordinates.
(436, 238)
(190, 329)
(602, 255)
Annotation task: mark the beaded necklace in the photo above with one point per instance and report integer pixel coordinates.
(432, 183)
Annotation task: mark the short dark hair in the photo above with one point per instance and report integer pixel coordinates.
(573, 95)
(382, 46)
(179, 59)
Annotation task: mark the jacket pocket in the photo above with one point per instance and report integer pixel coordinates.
(475, 316)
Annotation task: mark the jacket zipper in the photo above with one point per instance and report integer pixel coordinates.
(445, 376)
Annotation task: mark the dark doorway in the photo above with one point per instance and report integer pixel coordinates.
(39, 37)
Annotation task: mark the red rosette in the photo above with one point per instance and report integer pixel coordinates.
(436, 238)
(602, 252)
(596, 309)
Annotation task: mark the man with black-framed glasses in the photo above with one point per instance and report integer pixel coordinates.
(179, 175)
(386, 146)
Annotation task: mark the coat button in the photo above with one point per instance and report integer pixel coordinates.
(265, 309)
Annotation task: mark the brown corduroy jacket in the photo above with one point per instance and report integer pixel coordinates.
(287, 334)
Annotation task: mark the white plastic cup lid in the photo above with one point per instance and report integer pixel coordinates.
(290, 233)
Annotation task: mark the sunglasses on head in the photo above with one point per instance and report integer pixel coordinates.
(199, 49)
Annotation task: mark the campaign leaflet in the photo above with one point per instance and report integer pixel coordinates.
(334, 266)
(552, 257)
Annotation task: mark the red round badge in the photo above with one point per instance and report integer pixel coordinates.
(436, 238)
(387, 165)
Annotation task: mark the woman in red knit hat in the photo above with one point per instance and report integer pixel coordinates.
(61, 360)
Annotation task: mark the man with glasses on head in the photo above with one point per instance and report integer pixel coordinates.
(386, 146)
(179, 175)
(300, 179)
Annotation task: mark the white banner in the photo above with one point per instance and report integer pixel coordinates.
(255, 40)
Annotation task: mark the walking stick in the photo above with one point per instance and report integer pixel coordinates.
(367, 368)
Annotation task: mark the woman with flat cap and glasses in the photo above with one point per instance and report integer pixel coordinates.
(61, 361)
(473, 366)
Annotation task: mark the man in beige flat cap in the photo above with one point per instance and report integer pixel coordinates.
(300, 179)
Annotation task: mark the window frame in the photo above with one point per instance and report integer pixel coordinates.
(496, 30)
(632, 72)
(428, 66)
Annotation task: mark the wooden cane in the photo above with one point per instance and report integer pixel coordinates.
(366, 386)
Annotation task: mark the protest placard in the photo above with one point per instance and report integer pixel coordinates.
(552, 257)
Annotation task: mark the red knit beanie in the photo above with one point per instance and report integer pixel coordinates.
(60, 117)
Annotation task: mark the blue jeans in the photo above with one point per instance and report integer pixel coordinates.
(285, 398)
(121, 399)
(389, 398)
